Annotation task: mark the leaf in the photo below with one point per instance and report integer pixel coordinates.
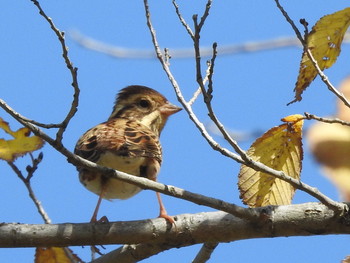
(324, 42)
(281, 149)
(55, 255)
(20, 145)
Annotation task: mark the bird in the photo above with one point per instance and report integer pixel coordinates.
(128, 142)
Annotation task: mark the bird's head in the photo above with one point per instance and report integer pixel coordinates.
(144, 104)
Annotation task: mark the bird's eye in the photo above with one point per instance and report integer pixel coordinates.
(144, 103)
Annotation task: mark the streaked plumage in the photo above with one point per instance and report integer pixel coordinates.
(128, 142)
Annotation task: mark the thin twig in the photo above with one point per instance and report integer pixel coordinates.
(34, 167)
(205, 252)
(211, 70)
(198, 59)
(326, 80)
(73, 70)
(26, 181)
(205, 14)
(196, 94)
(182, 20)
(199, 90)
(311, 57)
(326, 120)
(43, 125)
(208, 94)
(291, 22)
(306, 29)
(167, 56)
(339, 207)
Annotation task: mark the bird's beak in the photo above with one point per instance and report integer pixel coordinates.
(168, 109)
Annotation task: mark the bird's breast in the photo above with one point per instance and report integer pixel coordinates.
(130, 165)
(114, 189)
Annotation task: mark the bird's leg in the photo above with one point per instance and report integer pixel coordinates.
(94, 215)
(162, 212)
(93, 219)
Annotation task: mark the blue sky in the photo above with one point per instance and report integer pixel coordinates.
(250, 93)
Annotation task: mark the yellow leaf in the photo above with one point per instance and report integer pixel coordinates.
(324, 41)
(281, 149)
(55, 255)
(20, 145)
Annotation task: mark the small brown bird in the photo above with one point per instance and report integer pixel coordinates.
(129, 142)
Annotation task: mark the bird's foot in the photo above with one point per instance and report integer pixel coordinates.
(168, 218)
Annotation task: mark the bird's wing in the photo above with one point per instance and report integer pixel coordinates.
(121, 137)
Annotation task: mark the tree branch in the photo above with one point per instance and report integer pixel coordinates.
(205, 252)
(183, 21)
(326, 120)
(276, 221)
(26, 182)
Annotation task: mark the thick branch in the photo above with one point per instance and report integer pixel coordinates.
(293, 220)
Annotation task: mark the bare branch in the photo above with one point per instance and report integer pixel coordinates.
(135, 253)
(132, 253)
(182, 20)
(199, 90)
(205, 252)
(73, 71)
(197, 93)
(326, 120)
(167, 56)
(205, 15)
(208, 94)
(198, 59)
(291, 22)
(43, 125)
(211, 70)
(26, 181)
(34, 167)
(276, 221)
